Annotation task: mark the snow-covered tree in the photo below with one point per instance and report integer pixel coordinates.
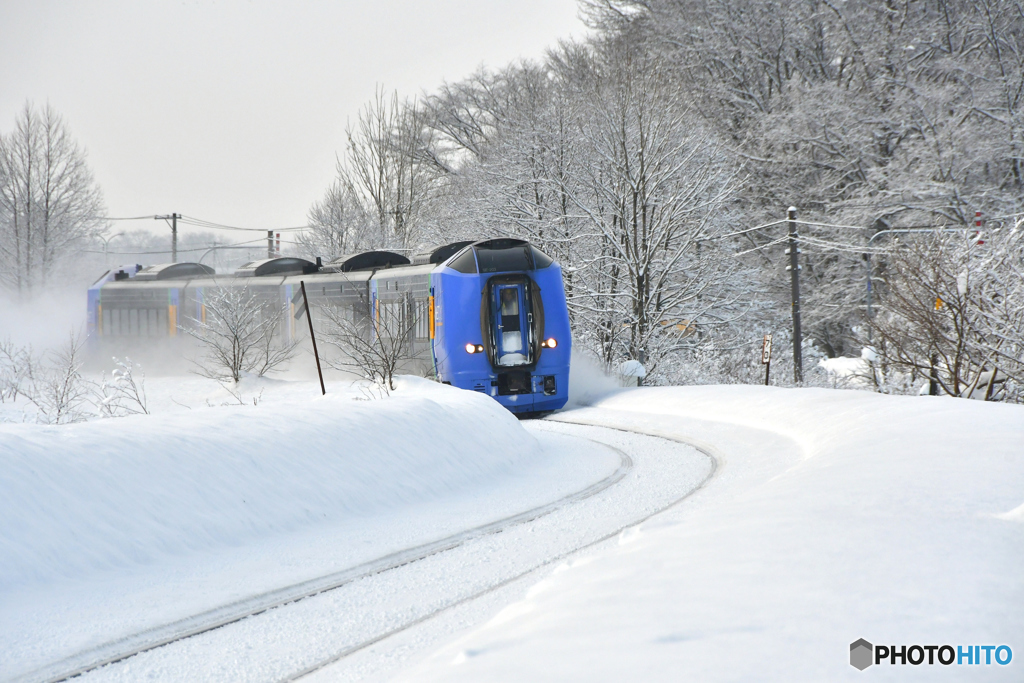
(628, 155)
(952, 310)
(49, 202)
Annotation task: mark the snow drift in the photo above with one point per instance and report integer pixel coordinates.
(80, 498)
(833, 516)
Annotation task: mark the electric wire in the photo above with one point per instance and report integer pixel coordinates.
(833, 225)
(743, 232)
(764, 246)
(256, 243)
(835, 246)
(200, 222)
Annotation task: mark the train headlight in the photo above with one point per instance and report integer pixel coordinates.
(474, 348)
(549, 343)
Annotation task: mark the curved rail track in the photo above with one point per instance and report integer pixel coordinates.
(128, 646)
(149, 639)
(705, 449)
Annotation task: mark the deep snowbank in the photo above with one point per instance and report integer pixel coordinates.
(839, 421)
(80, 498)
(834, 516)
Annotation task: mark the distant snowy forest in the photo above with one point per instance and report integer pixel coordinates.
(656, 159)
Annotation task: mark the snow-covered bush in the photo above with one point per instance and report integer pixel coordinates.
(240, 335)
(123, 394)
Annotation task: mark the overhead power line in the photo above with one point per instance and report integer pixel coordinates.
(199, 222)
(833, 225)
(255, 244)
(745, 231)
(838, 246)
(202, 223)
(763, 246)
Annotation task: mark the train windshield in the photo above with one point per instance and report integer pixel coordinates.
(492, 260)
(511, 325)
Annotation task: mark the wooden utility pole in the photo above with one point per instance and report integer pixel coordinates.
(173, 218)
(794, 296)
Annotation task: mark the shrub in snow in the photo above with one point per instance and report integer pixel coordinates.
(375, 349)
(56, 387)
(123, 394)
(240, 335)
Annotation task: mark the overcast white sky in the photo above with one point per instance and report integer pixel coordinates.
(233, 111)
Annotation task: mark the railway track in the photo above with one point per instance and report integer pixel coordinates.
(129, 646)
(352, 649)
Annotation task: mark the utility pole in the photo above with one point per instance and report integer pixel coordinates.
(794, 295)
(174, 233)
(270, 244)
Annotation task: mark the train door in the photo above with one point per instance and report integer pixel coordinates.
(511, 324)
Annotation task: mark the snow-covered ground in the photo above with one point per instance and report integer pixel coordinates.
(834, 516)
(829, 516)
(116, 525)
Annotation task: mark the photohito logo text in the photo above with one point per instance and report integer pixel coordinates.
(863, 654)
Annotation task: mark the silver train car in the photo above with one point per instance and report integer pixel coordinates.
(147, 311)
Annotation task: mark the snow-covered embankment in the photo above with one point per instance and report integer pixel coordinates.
(833, 516)
(78, 499)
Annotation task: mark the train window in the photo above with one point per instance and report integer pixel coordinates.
(422, 320)
(391, 319)
(540, 259)
(504, 260)
(464, 262)
(509, 303)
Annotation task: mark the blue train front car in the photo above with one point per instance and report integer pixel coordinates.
(501, 325)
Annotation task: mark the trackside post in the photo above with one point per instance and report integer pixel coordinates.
(766, 356)
(312, 337)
